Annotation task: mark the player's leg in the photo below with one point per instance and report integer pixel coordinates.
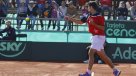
(91, 55)
(105, 58)
(91, 58)
(108, 61)
(87, 56)
(91, 62)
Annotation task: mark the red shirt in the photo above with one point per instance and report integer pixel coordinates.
(98, 20)
(41, 1)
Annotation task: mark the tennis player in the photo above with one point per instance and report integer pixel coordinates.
(96, 24)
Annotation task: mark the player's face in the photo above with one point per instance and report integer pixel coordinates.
(90, 9)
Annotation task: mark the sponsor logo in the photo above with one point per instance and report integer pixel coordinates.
(119, 30)
(127, 54)
(12, 49)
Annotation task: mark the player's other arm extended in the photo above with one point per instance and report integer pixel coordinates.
(75, 20)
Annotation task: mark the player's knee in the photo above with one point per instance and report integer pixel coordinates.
(91, 52)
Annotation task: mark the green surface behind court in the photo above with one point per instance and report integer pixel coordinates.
(78, 37)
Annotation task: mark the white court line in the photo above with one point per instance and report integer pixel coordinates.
(92, 74)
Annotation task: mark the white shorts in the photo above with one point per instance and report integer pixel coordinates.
(97, 42)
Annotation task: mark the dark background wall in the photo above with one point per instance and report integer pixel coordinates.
(66, 52)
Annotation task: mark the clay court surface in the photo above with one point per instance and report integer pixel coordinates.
(23, 68)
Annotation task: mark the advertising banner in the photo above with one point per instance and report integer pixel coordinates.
(120, 29)
(121, 53)
(39, 51)
(14, 50)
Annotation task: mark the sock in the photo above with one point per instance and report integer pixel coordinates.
(88, 71)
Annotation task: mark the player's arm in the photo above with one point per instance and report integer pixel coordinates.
(75, 20)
